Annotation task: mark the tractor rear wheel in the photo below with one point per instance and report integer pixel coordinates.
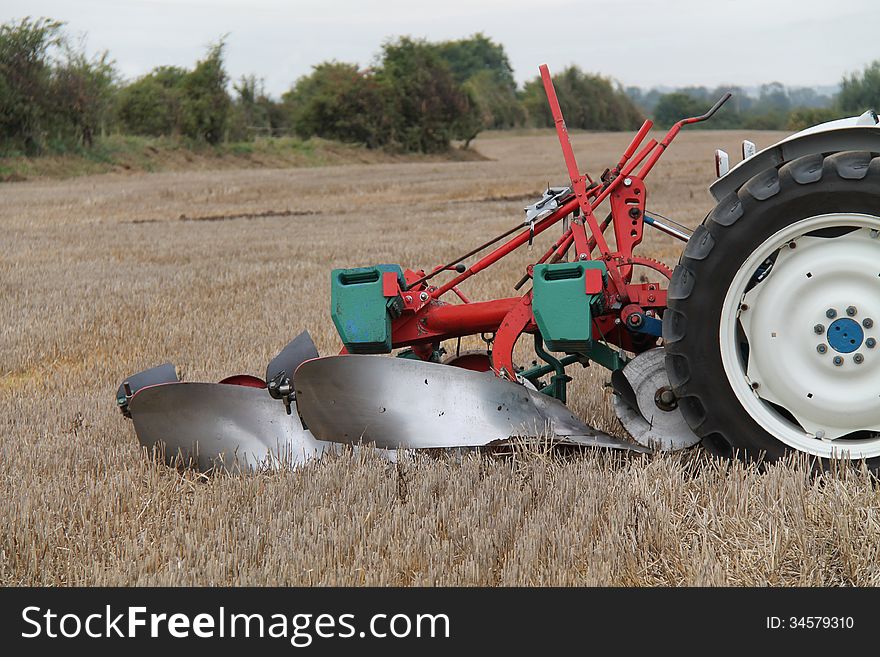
(774, 315)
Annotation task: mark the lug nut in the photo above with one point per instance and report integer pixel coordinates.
(867, 322)
(819, 329)
(858, 359)
(821, 348)
(851, 311)
(831, 313)
(838, 360)
(870, 343)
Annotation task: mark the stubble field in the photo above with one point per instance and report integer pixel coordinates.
(216, 270)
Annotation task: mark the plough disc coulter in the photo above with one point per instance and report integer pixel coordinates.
(761, 342)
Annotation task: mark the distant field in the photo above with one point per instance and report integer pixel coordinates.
(108, 274)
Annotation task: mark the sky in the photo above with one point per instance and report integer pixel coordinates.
(638, 42)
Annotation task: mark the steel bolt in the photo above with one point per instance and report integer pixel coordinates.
(831, 313)
(838, 360)
(851, 311)
(819, 329)
(423, 296)
(627, 182)
(858, 359)
(408, 299)
(867, 322)
(755, 385)
(870, 343)
(821, 348)
(582, 256)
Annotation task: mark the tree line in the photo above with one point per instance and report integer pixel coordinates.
(417, 96)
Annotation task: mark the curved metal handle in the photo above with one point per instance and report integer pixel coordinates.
(708, 115)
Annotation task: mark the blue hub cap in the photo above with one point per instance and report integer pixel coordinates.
(845, 335)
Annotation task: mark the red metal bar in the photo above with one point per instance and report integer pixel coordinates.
(507, 247)
(634, 144)
(582, 194)
(561, 129)
(468, 318)
(461, 295)
(628, 169)
(673, 131)
(518, 320)
(540, 227)
(439, 321)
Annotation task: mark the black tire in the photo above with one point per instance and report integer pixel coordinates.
(739, 224)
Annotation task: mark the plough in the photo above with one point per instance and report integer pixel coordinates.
(762, 341)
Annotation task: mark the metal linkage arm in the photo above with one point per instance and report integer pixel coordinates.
(675, 129)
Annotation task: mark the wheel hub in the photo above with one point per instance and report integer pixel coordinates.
(845, 335)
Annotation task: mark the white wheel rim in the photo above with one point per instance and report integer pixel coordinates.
(826, 396)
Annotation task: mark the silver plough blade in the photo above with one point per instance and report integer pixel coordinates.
(211, 425)
(297, 351)
(403, 403)
(646, 407)
(166, 373)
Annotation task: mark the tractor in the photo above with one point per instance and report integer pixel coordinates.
(761, 342)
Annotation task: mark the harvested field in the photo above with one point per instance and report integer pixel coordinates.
(215, 270)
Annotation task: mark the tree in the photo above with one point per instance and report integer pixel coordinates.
(672, 107)
(83, 94)
(589, 102)
(25, 81)
(205, 101)
(171, 100)
(338, 101)
(152, 105)
(424, 105)
(482, 68)
(253, 113)
(496, 103)
(861, 91)
(477, 54)
(773, 99)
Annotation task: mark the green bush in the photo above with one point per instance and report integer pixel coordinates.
(676, 106)
(25, 82)
(338, 101)
(153, 105)
(806, 117)
(482, 68)
(424, 107)
(82, 96)
(173, 101)
(205, 102)
(588, 102)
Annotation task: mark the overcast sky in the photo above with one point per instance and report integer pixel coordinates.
(639, 42)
